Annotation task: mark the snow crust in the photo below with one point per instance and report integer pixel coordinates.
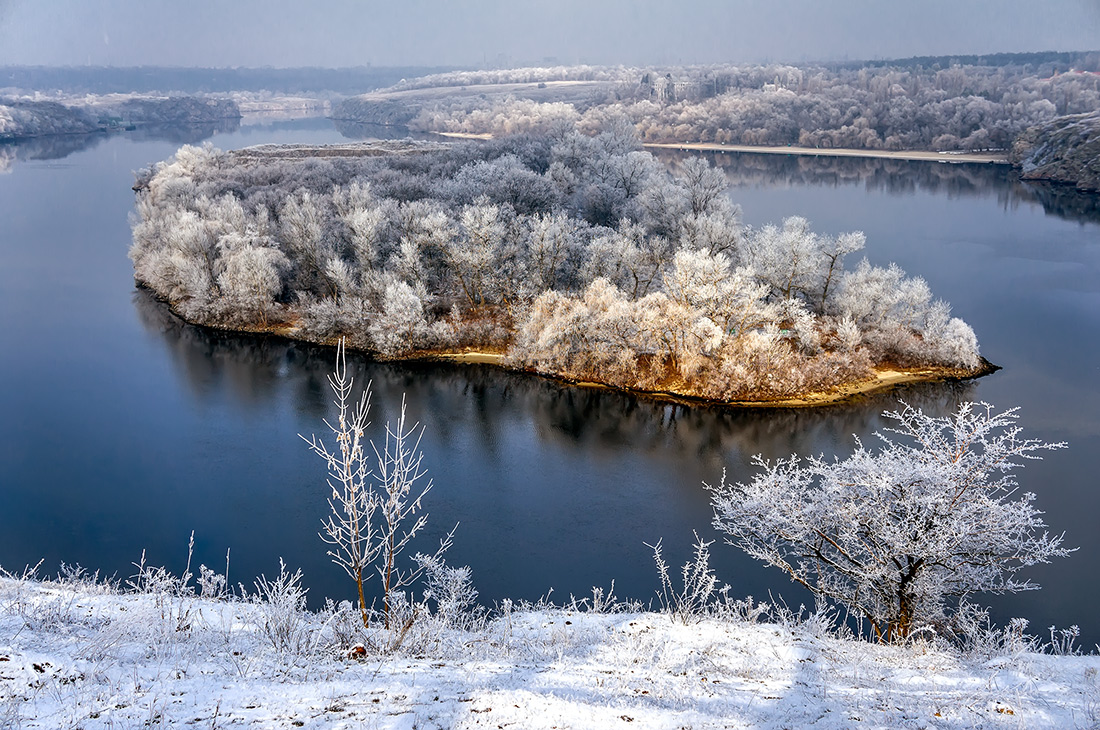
(83, 655)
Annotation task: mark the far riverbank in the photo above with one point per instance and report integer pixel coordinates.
(998, 158)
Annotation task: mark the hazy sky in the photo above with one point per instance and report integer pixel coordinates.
(480, 32)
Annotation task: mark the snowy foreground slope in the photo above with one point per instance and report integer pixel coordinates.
(80, 655)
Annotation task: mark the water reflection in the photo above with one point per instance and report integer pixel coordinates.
(54, 147)
(554, 486)
(257, 368)
(60, 146)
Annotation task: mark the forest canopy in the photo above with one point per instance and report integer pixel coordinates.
(572, 254)
(970, 103)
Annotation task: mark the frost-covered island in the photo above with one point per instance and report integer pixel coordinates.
(572, 255)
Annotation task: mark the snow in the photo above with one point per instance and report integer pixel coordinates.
(79, 654)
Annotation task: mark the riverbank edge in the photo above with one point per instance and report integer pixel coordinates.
(886, 377)
(909, 155)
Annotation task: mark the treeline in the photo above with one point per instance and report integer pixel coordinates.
(23, 118)
(166, 80)
(38, 118)
(885, 107)
(1044, 63)
(575, 255)
(530, 75)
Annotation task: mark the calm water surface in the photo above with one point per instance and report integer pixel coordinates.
(122, 429)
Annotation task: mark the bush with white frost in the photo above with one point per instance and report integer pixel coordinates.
(899, 535)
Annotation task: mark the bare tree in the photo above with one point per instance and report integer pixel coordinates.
(375, 496)
(350, 528)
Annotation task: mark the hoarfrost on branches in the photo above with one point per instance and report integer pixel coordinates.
(568, 253)
(897, 535)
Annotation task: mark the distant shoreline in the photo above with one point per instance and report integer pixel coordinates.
(998, 158)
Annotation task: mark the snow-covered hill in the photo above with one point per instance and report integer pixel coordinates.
(78, 654)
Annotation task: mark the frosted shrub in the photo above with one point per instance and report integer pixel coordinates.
(212, 584)
(452, 591)
(760, 364)
(898, 318)
(282, 602)
(401, 326)
(329, 318)
(252, 281)
(691, 601)
(897, 535)
(948, 339)
(847, 334)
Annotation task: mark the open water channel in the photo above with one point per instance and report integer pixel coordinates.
(123, 429)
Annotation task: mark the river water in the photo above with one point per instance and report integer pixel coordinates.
(123, 429)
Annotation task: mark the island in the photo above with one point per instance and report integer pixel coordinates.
(568, 254)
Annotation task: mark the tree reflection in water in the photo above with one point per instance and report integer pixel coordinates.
(555, 485)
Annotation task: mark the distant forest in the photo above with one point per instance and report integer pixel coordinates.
(159, 79)
(1043, 62)
(926, 104)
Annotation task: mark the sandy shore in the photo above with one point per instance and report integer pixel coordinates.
(480, 358)
(919, 155)
(884, 379)
(998, 158)
(464, 135)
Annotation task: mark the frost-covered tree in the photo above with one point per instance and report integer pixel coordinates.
(401, 326)
(629, 257)
(733, 299)
(795, 261)
(252, 280)
(552, 242)
(301, 224)
(425, 234)
(375, 493)
(831, 260)
(899, 535)
(475, 256)
(705, 185)
(365, 219)
(717, 231)
(898, 317)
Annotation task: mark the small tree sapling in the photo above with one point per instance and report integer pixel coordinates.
(375, 496)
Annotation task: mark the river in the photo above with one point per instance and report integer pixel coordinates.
(123, 430)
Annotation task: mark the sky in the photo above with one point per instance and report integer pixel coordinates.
(478, 33)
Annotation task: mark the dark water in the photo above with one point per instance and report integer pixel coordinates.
(122, 429)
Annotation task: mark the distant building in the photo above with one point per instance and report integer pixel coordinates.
(666, 90)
